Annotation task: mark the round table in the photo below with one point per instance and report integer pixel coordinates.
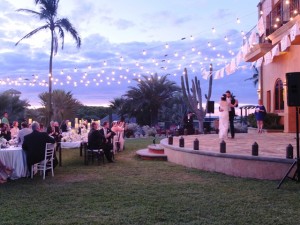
(15, 158)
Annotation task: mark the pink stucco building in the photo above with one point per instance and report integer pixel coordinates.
(274, 46)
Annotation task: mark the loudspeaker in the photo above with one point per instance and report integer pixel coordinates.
(210, 107)
(293, 88)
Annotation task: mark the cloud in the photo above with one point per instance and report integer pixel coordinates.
(123, 24)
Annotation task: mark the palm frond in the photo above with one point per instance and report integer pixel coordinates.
(32, 33)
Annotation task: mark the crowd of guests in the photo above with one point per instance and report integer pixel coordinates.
(111, 140)
(33, 138)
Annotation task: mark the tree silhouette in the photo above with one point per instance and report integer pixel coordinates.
(57, 27)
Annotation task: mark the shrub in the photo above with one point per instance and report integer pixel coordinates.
(131, 129)
(149, 131)
(271, 121)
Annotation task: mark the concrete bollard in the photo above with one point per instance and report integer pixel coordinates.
(255, 149)
(181, 142)
(289, 151)
(223, 147)
(196, 144)
(170, 140)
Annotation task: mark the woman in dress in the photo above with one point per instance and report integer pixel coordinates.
(223, 118)
(5, 173)
(14, 130)
(260, 113)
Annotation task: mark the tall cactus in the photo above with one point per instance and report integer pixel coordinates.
(193, 96)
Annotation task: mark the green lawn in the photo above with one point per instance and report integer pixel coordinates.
(132, 191)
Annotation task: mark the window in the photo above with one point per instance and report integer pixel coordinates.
(279, 103)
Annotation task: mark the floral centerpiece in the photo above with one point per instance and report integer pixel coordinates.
(3, 142)
(73, 136)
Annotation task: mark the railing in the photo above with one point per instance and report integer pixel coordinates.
(282, 13)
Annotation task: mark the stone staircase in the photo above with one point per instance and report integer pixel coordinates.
(153, 152)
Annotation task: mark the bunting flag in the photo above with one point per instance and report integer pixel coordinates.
(233, 66)
(259, 62)
(285, 43)
(239, 58)
(268, 58)
(217, 75)
(253, 39)
(294, 31)
(205, 74)
(275, 51)
(227, 69)
(222, 71)
(246, 48)
(260, 26)
(230, 68)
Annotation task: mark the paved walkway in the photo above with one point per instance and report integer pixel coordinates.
(269, 144)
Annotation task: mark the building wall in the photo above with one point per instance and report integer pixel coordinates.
(285, 63)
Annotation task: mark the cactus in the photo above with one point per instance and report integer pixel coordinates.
(193, 96)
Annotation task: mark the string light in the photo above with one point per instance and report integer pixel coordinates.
(158, 62)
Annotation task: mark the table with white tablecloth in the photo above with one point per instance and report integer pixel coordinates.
(15, 158)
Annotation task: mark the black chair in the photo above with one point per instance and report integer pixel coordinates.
(90, 155)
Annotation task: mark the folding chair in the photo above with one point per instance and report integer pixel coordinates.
(47, 163)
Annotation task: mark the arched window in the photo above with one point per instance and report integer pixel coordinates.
(279, 103)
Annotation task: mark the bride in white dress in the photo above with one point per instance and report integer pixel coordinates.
(223, 118)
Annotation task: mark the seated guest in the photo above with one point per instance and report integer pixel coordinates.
(4, 132)
(54, 131)
(107, 145)
(95, 138)
(42, 128)
(34, 145)
(24, 131)
(50, 128)
(14, 130)
(64, 126)
(5, 173)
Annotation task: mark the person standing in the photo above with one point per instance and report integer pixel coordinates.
(5, 120)
(223, 118)
(260, 113)
(188, 123)
(232, 103)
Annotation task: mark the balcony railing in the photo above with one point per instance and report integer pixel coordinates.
(283, 12)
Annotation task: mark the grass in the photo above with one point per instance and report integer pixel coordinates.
(133, 191)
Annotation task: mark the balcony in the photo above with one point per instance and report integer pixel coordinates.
(257, 51)
(278, 34)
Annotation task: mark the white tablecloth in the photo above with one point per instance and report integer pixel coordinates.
(75, 144)
(15, 158)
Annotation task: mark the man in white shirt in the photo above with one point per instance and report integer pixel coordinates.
(24, 131)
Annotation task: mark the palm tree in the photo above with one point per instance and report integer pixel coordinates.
(117, 105)
(255, 76)
(57, 27)
(64, 105)
(151, 93)
(12, 104)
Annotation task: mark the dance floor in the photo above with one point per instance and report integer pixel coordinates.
(269, 144)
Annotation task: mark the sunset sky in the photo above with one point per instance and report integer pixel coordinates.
(122, 40)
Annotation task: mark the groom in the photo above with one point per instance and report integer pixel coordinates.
(232, 102)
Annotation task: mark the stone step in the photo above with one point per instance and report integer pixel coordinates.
(145, 154)
(156, 149)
